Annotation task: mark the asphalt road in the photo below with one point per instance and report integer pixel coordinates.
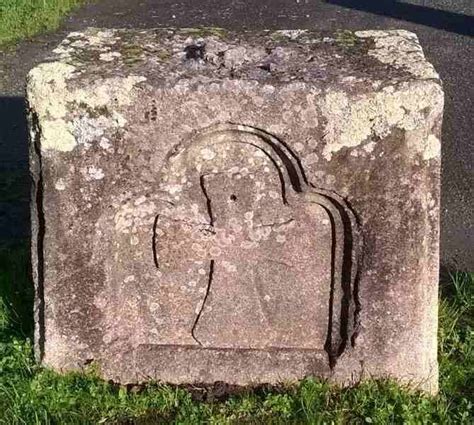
(445, 29)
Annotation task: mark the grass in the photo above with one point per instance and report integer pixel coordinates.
(30, 394)
(21, 19)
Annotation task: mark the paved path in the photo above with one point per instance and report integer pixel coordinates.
(452, 52)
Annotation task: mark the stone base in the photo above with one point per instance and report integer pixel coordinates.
(248, 208)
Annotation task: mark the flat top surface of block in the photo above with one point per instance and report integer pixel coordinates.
(272, 56)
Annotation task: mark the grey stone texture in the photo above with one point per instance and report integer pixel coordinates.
(252, 207)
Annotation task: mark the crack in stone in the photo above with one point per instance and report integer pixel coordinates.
(275, 225)
(154, 242)
(208, 200)
(201, 310)
(38, 239)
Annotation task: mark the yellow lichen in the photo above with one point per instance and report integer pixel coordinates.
(45, 84)
(57, 135)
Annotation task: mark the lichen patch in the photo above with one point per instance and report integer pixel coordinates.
(50, 97)
(109, 56)
(56, 135)
(427, 146)
(352, 121)
(431, 148)
(401, 49)
(45, 82)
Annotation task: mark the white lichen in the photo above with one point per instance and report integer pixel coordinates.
(109, 56)
(60, 185)
(105, 143)
(400, 49)
(351, 121)
(129, 218)
(291, 34)
(95, 173)
(428, 146)
(369, 147)
(50, 97)
(208, 154)
(431, 148)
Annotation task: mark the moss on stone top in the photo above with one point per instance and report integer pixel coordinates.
(300, 55)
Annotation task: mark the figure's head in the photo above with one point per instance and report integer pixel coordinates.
(234, 172)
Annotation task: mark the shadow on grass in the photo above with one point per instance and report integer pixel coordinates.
(16, 291)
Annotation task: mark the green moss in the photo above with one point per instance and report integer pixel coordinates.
(131, 50)
(132, 53)
(95, 112)
(346, 38)
(352, 45)
(204, 32)
(279, 37)
(163, 55)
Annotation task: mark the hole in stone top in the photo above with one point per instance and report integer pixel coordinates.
(195, 51)
(233, 198)
(265, 67)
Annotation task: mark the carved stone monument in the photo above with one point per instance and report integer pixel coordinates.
(248, 208)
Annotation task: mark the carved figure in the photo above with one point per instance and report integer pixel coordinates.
(265, 258)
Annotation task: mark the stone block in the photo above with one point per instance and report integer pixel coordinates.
(251, 207)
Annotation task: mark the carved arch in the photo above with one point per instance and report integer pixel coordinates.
(343, 303)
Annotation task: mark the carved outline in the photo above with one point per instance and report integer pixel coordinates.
(201, 310)
(342, 328)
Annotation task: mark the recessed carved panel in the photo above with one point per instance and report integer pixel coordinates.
(251, 256)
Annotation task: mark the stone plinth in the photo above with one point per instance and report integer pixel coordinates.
(248, 208)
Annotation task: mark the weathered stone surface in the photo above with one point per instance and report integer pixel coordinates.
(248, 208)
